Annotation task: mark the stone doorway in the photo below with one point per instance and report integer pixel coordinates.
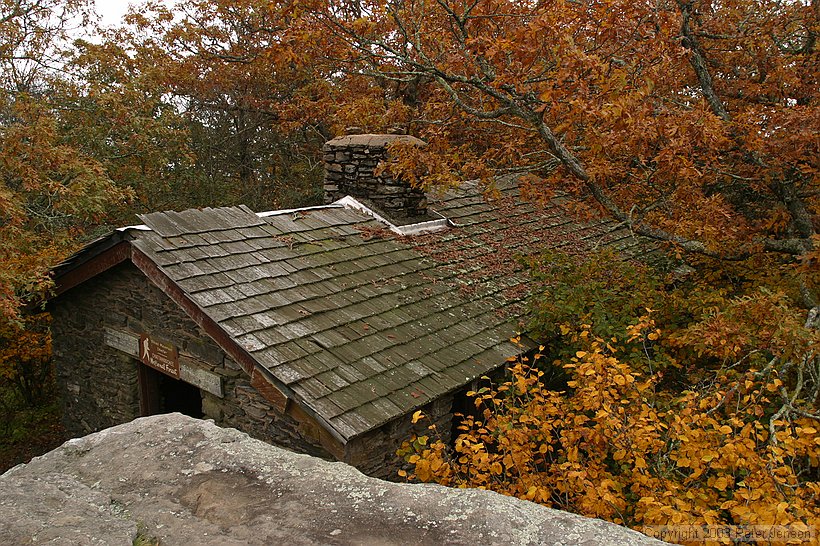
(160, 393)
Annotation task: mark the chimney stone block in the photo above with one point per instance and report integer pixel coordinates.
(350, 165)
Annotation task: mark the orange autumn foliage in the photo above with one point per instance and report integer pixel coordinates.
(693, 122)
(25, 356)
(50, 187)
(614, 446)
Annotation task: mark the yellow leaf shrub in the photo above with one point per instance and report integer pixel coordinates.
(614, 447)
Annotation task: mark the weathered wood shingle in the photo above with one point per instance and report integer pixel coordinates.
(364, 326)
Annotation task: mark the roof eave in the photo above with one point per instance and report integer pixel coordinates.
(90, 261)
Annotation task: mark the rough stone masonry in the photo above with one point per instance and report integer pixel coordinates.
(187, 481)
(351, 163)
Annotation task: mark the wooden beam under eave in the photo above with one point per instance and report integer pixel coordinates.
(92, 267)
(313, 429)
(178, 296)
(308, 426)
(329, 436)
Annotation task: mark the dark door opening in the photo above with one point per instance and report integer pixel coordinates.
(160, 393)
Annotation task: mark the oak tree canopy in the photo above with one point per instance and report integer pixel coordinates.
(694, 123)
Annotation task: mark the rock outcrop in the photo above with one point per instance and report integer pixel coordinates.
(185, 481)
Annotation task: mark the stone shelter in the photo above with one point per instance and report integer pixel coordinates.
(321, 329)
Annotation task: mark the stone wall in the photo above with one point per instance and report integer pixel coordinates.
(374, 453)
(99, 384)
(350, 165)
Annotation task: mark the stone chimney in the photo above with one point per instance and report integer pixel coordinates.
(350, 162)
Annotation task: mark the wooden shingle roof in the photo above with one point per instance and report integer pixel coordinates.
(362, 328)
(361, 325)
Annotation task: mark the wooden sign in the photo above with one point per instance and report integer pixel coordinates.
(161, 356)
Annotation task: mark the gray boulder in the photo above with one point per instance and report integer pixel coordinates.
(186, 481)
